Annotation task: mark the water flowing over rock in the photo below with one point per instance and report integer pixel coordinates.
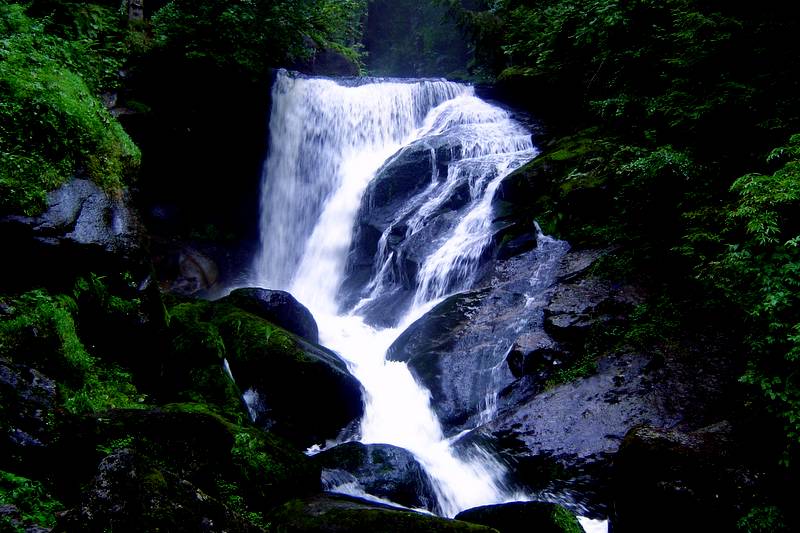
(459, 348)
(376, 203)
(381, 470)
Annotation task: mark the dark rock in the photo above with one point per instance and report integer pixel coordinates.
(442, 350)
(185, 443)
(522, 517)
(577, 307)
(690, 480)
(196, 272)
(83, 229)
(459, 348)
(386, 206)
(279, 307)
(381, 470)
(130, 493)
(305, 392)
(541, 360)
(29, 400)
(335, 513)
(565, 437)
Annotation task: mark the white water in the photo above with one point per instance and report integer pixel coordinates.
(326, 143)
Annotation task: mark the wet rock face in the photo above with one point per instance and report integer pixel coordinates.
(381, 470)
(565, 438)
(388, 205)
(28, 398)
(83, 229)
(458, 350)
(279, 307)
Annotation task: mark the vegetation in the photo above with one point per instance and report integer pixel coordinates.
(41, 331)
(673, 141)
(35, 506)
(686, 103)
(52, 122)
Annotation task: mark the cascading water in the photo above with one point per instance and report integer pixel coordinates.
(327, 141)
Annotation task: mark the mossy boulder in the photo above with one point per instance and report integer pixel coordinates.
(522, 517)
(334, 513)
(297, 389)
(279, 307)
(305, 391)
(182, 460)
(566, 189)
(132, 493)
(381, 470)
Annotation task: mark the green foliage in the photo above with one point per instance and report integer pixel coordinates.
(253, 36)
(231, 495)
(115, 444)
(762, 519)
(41, 332)
(412, 38)
(52, 124)
(193, 333)
(30, 497)
(760, 271)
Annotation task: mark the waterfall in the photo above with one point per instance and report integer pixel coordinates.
(327, 142)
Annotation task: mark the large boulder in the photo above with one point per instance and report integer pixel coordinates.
(279, 307)
(83, 228)
(691, 480)
(334, 513)
(522, 517)
(566, 437)
(381, 470)
(299, 390)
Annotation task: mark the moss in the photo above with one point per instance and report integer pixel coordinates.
(35, 505)
(565, 189)
(41, 332)
(251, 336)
(265, 468)
(565, 520)
(192, 332)
(53, 125)
(585, 366)
(197, 366)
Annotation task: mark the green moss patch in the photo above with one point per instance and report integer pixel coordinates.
(35, 505)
